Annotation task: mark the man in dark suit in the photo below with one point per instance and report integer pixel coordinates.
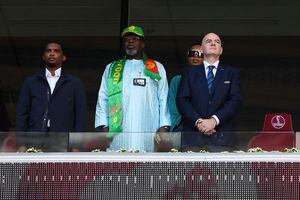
(52, 101)
(208, 98)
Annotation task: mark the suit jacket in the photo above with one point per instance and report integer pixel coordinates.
(65, 107)
(194, 102)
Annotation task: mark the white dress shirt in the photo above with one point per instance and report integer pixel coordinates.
(52, 80)
(206, 64)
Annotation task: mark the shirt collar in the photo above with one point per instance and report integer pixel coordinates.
(206, 64)
(57, 73)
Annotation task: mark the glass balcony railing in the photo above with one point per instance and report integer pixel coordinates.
(147, 142)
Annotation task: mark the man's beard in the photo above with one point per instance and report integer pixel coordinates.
(51, 65)
(131, 52)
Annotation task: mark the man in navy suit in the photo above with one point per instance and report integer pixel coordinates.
(52, 101)
(208, 99)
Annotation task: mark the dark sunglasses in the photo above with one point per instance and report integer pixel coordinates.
(192, 53)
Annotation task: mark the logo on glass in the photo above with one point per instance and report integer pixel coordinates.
(278, 121)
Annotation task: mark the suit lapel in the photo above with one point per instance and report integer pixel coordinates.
(202, 73)
(201, 77)
(220, 71)
(59, 83)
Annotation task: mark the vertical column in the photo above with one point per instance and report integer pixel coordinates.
(123, 20)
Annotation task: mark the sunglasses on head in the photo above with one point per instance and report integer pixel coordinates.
(192, 53)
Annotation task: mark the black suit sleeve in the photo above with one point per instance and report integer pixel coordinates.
(23, 108)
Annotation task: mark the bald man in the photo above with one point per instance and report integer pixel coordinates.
(208, 99)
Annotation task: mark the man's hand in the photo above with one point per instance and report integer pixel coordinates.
(163, 142)
(207, 126)
(105, 129)
(163, 129)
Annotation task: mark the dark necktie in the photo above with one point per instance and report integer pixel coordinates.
(210, 77)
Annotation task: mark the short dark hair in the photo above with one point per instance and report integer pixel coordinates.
(56, 42)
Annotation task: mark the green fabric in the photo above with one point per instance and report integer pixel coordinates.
(115, 98)
(115, 94)
(152, 74)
